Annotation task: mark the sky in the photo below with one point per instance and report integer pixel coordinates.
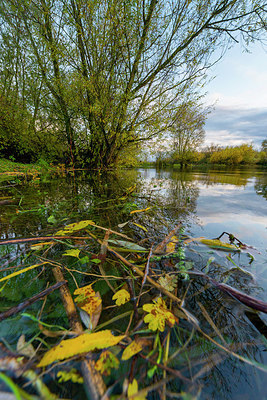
(239, 94)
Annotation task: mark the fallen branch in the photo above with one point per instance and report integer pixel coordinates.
(160, 247)
(242, 297)
(92, 378)
(41, 238)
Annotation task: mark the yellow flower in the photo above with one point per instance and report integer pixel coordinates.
(158, 315)
(121, 297)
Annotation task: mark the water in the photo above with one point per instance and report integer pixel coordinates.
(207, 203)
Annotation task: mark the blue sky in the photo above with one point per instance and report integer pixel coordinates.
(239, 92)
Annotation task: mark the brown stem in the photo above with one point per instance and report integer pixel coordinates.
(92, 378)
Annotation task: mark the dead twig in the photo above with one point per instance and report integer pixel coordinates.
(145, 275)
(160, 247)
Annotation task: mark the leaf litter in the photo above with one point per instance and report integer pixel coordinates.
(158, 319)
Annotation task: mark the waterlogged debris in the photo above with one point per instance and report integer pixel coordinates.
(146, 341)
(121, 297)
(81, 344)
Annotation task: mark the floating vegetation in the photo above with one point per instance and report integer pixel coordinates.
(135, 321)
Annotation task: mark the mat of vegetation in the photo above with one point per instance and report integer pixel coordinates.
(92, 312)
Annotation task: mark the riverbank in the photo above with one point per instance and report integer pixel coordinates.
(10, 169)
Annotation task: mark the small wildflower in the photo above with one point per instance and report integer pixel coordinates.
(121, 297)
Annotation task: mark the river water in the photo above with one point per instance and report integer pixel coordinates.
(206, 203)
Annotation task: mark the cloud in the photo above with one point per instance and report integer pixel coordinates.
(236, 125)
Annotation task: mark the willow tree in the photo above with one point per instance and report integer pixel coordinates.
(117, 70)
(187, 133)
(138, 61)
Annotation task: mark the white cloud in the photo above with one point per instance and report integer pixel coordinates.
(239, 92)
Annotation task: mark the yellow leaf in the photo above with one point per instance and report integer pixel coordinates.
(21, 271)
(39, 246)
(72, 375)
(140, 226)
(217, 244)
(72, 253)
(214, 243)
(131, 350)
(106, 362)
(68, 229)
(138, 211)
(88, 300)
(133, 390)
(170, 247)
(157, 315)
(61, 233)
(169, 282)
(121, 297)
(81, 344)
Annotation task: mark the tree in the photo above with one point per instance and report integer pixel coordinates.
(187, 133)
(264, 145)
(116, 71)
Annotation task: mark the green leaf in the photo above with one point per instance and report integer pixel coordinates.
(51, 219)
(95, 260)
(127, 245)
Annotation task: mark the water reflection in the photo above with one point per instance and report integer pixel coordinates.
(207, 203)
(261, 185)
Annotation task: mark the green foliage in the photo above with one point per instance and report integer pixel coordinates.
(93, 98)
(230, 155)
(20, 142)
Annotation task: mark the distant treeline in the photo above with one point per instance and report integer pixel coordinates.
(229, 155)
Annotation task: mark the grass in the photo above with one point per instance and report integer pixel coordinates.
(11, 166)
(10, 169)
